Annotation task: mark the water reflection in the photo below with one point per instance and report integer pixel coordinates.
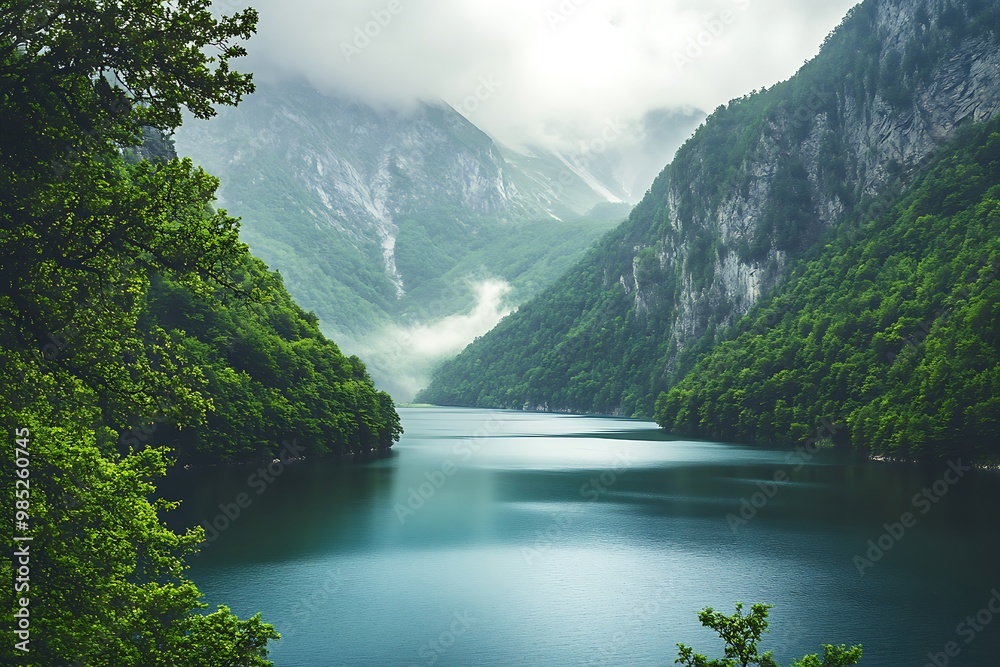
(573, 540)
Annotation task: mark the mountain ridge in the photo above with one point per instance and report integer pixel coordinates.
(762, 181)
(387, 218)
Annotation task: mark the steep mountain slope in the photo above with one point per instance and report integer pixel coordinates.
(381, 218)
(330, 191)
(889, 333)
(756, 187)
(361, 207)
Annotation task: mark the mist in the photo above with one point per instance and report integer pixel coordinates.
(401, 358)
(547, 73)
(553, 74)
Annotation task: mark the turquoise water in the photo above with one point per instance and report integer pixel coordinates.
(506, 538)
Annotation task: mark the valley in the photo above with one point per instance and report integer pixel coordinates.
(769, 190)
(388, 222)
(351, 334)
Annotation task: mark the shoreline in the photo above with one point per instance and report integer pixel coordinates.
(882, 458)
(349, 458)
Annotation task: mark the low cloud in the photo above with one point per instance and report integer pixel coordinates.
(564, 67)
(401, 358)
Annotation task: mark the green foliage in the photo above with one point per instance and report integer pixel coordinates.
(107, 587)
(742, 634)
(833, 656)
(126, 300)
(522, 362)
(341, 278)
(632, 319)
(271, 375)
(889, 329)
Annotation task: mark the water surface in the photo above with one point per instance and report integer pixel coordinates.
(506, 538)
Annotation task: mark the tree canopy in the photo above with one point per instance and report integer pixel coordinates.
(888, 330)
(136, 329)
(742, 634)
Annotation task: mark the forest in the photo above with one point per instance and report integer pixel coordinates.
(136, 333)
(771, 191)
(888, 330)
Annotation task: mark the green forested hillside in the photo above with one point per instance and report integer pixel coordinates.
(270, 375)
(576, 346)
(758, 188)
(135, 330)
(890, 330)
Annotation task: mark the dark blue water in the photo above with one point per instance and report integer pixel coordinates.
(499, 538)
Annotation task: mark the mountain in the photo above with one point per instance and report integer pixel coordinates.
(383, 220)
(888, 332)
(762, 184)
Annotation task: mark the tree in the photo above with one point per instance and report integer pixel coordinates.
(80, 233)
(78, 81)
(742, 633)
(106, 576)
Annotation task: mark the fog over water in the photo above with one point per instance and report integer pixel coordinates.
(412, 351)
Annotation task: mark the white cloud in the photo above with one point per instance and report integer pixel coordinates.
(564, 66)
(402, 358)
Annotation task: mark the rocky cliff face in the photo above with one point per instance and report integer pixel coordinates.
(330, 182)
(759, 184)
(360, 170)
(825, 141)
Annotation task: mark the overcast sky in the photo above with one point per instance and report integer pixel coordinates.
(549, 72)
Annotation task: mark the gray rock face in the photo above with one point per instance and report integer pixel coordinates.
(873, 139)
(757, 186)
(363, 169)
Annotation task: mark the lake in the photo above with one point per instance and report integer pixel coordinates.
(509, 538)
